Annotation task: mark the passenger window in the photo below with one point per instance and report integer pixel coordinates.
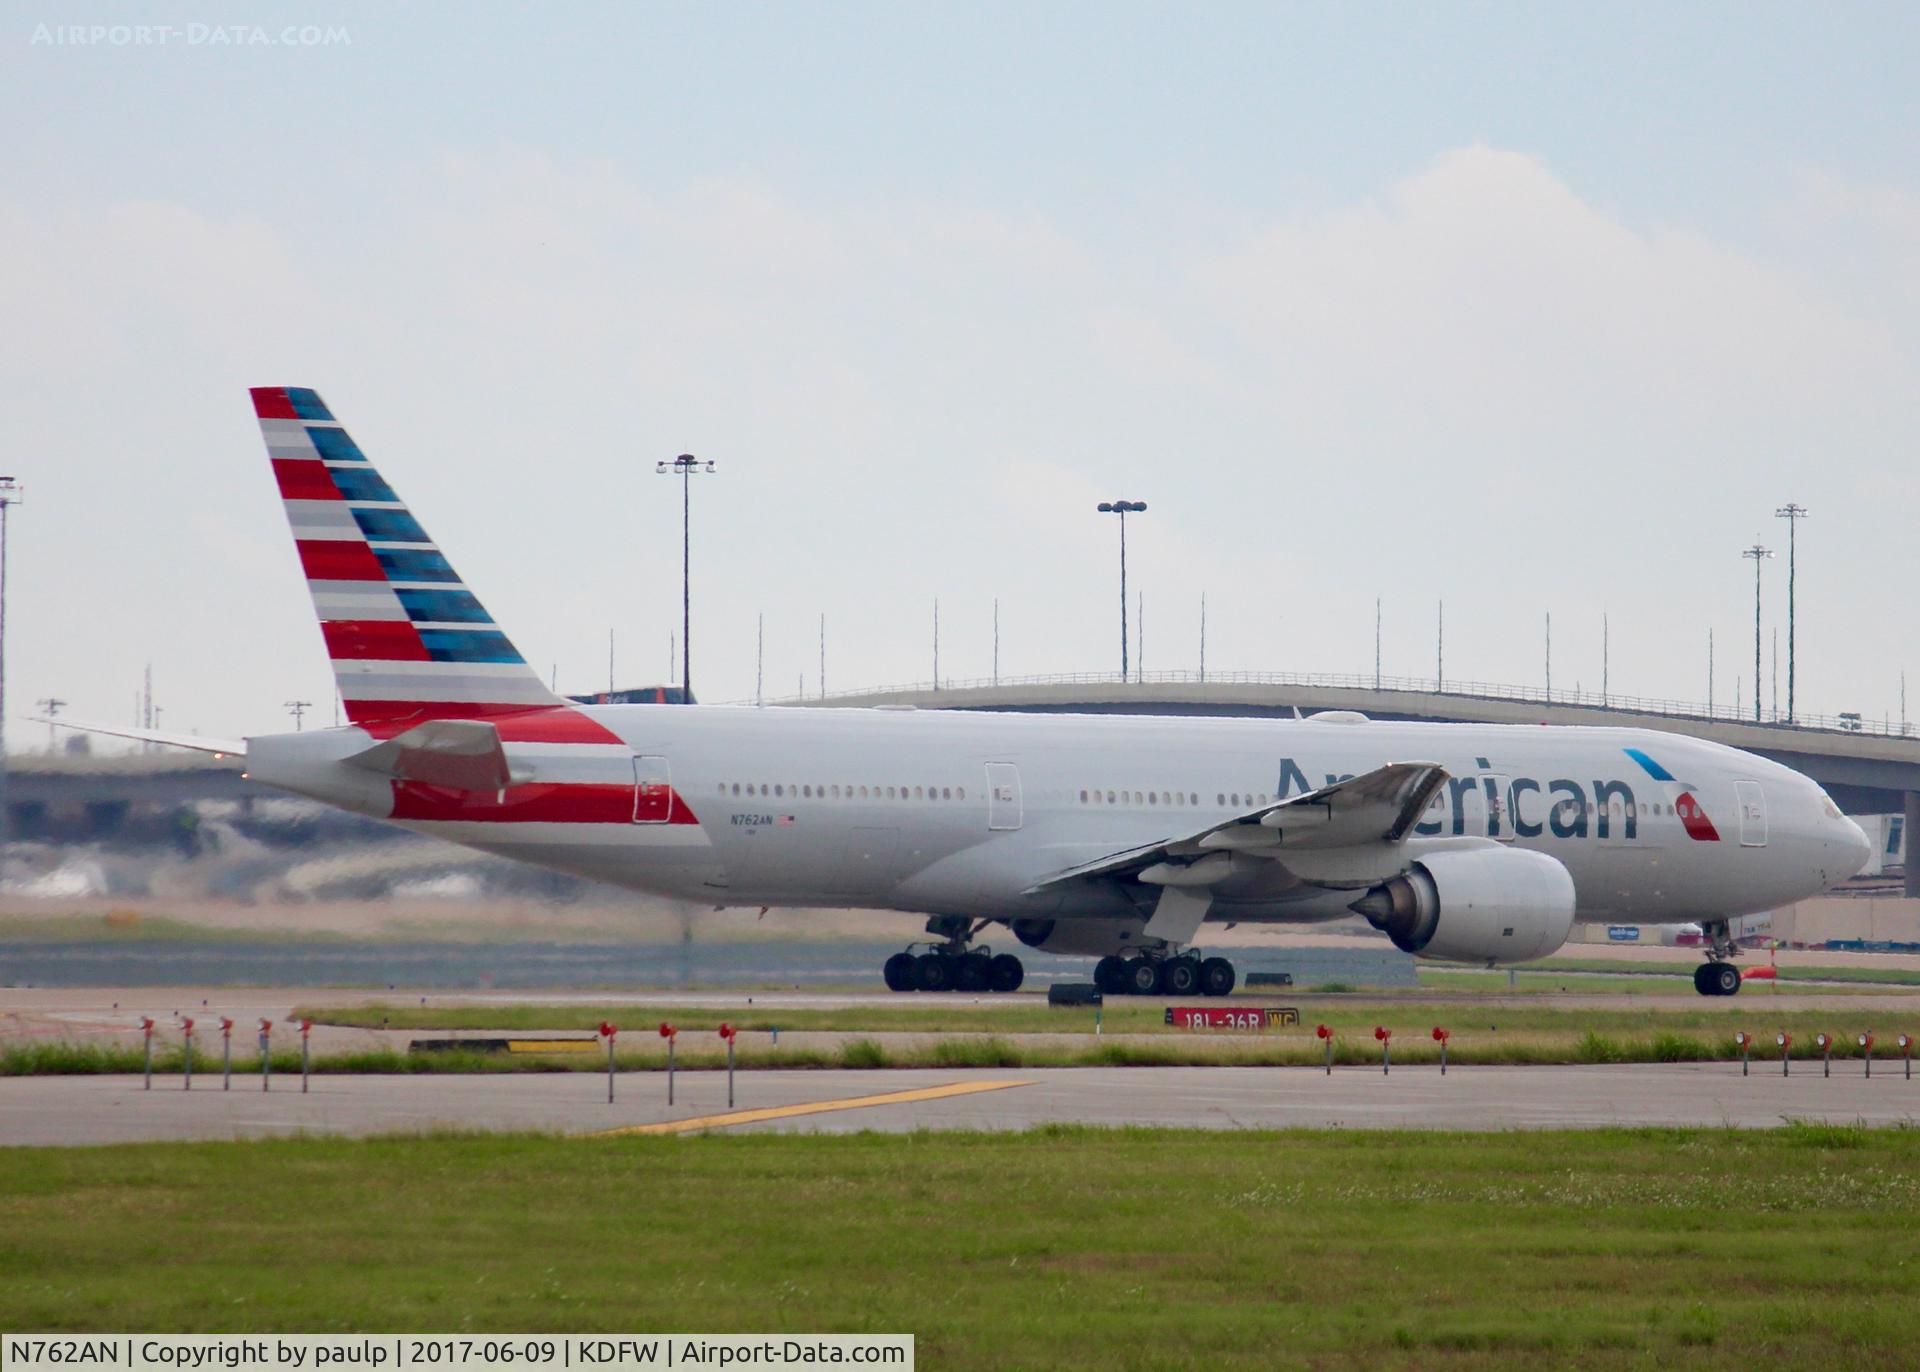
(960, 793)
(946, 793)
(807, 792)
(1152, 797)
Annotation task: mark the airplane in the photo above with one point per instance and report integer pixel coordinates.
(1125, 838)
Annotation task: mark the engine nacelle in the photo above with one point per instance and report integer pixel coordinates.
(1081, 937)
(1486, 905)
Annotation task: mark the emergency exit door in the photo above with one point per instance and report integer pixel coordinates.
(1003, 795)
(652, 791)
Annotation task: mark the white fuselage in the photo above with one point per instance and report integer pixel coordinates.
(960, 812)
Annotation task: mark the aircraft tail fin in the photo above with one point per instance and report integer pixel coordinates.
(407, 638)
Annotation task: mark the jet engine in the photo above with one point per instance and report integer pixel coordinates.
(1487, 905)
(1084, 937)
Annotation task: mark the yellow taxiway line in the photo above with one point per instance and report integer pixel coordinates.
(816, 1107)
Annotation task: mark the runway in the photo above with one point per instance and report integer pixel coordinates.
(92, 1110)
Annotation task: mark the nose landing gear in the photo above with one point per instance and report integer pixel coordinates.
(1717, 976)
(950, 964)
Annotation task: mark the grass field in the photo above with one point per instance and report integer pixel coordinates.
(1058, 1248)
(1025, 1033)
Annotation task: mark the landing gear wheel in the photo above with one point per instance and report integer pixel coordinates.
(1216, 977)
(1110, 976)
(1700, 975)
(933, 972)
(970, 972)
(1726, 978)
(899, 972)
(1143, 977)
(1005, 973)
(1180, 977)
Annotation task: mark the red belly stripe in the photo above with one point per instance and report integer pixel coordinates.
(536, 803)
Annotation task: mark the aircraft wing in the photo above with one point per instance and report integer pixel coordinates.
(1367, 811)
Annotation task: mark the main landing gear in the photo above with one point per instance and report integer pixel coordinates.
(950, 965)
(1183, 974)
(1717, 976)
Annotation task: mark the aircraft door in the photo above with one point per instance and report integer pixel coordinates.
(1753, 814)
(1496, 794)
(1484, 808)
(652, 791)
(1003, 795)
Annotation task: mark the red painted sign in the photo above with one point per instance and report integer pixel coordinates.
(1250, 1018)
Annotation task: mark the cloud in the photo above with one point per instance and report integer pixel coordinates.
(1473, 384)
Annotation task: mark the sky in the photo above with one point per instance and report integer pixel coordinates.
(1531, 310)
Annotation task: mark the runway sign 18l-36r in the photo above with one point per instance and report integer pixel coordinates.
(1213, 1017)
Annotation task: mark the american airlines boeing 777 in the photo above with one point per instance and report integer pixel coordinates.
(1122, 837)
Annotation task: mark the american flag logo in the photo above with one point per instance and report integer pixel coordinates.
(784, 821)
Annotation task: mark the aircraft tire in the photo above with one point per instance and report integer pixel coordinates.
(1216, 977)
(1143, 977)
(899, 972)
(933, 972)
(1726, 979)
(970, 972)
(1180, 976)
(1109, 976)
(1005, 973)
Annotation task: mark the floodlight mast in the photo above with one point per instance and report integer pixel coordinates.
(1123, 508)
(1759, 555)
(1793, 514)
(685, 466)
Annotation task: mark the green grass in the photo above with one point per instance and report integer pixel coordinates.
(1412, 1046)
(1062, 1247)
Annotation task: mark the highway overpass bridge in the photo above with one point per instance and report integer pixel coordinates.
(1869, 767)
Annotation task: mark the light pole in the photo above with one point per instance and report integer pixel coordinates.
(10, 495)
(1759, 555)
(298, 709)
(1123, 508)
(50, 707)
(684, 467)
(1793, 514)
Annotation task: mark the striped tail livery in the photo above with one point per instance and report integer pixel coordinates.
(407, 638)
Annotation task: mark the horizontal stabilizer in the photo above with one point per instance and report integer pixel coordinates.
(235, 747)
(460, 754)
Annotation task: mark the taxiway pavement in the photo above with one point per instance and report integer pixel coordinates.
(115, 1109)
